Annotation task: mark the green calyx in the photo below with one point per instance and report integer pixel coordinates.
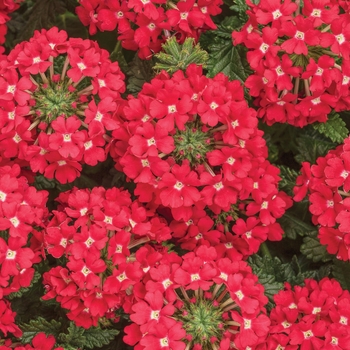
(53, 100)
(192, 144)
(202, 320)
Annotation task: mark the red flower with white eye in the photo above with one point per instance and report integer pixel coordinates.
(13, 87)
(152, 310)
(100, 116)
(186, 15)
(178, 188)
(194, 274)
(67, 138)
(274, 11)
(301, 32)
(149, 140)
(14, 258)
(58, 238)
(88, 15)
(90, 240)
(85, 271)
(262, 45)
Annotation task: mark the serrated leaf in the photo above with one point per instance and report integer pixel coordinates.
(19, 294)
(334, 128)
(294, 227)
(75, 336)
(228, 59)
(31, 329)
(97, 337)
(223, 56)
(311, 145)
(313, 249)
(341, 271)
(239, 6)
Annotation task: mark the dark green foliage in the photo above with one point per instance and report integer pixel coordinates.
(334, 128)
(288, 177)
(40, 324)
(223, 56)
(313, 249)
(272, 273)
(294, 225)
(139, 72)
(341, 271)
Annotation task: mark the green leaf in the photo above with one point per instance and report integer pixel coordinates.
(264, 268)
(94, 337)
(223, 56)
(75, 336)
(139, 72)
(23, 290)
(272, 273)
(31, 329)
(313, 249)
(294, 226)
(334, 128)
(341, 271)
(175, 56)
(97, 337)
(239, 6)
(311, 145)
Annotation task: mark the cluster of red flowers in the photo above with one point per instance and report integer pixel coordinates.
(6, 7)
(144, 25)
(197, 301)
(328, 188)
(191, 144)
(93, 232)
(22, 213)
(312, 317)
(57, 101)
(301, 61)
(39, 342)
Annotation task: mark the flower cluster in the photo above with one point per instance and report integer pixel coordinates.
(57, 100)
(92, 233)
(198, 301)
(191, 144)
(6, 7)
(143, 25)
(315, 316)
(328, 186)
(300, 59)
(22, 216)
(39, 342)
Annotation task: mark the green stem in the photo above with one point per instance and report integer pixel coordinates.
(117, 55)
(265, 250)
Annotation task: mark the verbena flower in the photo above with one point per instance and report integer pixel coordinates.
(58, 97)
(191, 144)
(143, 26)
(199, 301)
(326, 184)
(300, 57)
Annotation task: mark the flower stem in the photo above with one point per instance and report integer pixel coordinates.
(343, 193)
(65, 67)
